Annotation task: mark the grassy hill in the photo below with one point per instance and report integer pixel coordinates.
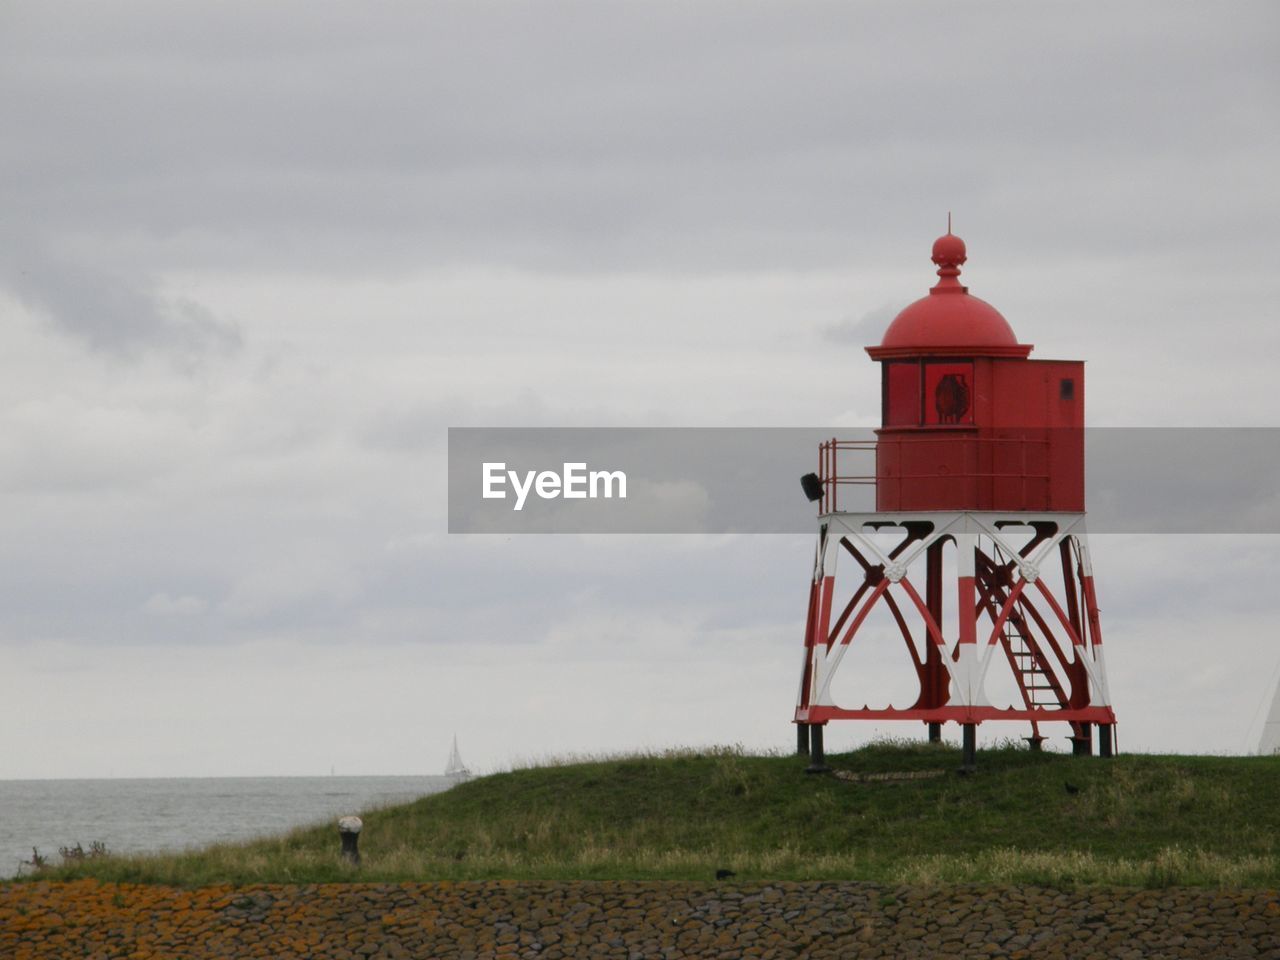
(1145, 820)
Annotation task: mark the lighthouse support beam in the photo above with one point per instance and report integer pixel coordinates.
(1054, 659)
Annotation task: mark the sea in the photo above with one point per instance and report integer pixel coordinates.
(150, 816)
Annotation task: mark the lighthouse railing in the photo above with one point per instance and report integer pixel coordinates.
(845, 464)
(834, 453)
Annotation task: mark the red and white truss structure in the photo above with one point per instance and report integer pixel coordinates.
(1025, 606)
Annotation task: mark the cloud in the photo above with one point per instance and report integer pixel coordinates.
(163, 605)
(660, 138)
(111, 312)
(865, 329)
(321, 236)
(296, 582)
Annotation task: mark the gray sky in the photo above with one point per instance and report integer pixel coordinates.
(255, 259)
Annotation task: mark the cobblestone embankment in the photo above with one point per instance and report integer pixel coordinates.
(631, 920)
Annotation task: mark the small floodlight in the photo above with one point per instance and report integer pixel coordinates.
(812, 486)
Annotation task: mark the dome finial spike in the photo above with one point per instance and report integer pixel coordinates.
(949, 254)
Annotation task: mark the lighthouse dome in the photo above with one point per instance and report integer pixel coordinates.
(949, 321)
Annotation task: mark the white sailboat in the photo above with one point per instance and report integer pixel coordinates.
(455, 767)
(1270, 742)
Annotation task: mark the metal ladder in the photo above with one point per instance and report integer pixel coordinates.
(1040, 688)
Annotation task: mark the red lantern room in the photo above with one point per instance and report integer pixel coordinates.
(969, 422)
(979, 467)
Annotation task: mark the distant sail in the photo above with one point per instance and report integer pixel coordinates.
(1270, 742)
(455, 767)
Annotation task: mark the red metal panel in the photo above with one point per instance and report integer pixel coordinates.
(1046, 396)
(926, 470)
(1020, 467)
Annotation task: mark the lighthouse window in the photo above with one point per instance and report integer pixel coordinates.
(948, 394)
(902, 394)
(1067, 389)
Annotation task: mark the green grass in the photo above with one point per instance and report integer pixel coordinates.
(1136, 820)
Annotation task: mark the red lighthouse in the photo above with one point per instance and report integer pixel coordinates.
(979, 481)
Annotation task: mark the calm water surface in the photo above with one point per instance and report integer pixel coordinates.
(147, 816)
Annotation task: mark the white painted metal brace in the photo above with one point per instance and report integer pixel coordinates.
(969, 670)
